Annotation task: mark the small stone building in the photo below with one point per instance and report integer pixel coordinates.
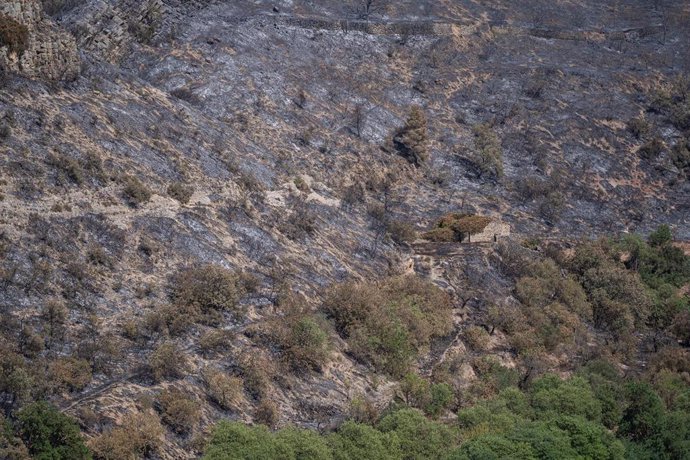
(494, 231)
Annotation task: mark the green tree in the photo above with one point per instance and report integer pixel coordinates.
(661, 236)
(643, 419)
(411, 141)
(420, 438)
(552, 395)
(492, 447)
(49, 434)
(359, 441)
(305, 444)
(236, 441)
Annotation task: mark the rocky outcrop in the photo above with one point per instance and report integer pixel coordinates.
(50, 54)
(108, 29)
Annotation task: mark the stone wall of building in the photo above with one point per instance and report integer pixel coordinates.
(495, 231)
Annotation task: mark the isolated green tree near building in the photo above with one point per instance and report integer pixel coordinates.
(412, 139)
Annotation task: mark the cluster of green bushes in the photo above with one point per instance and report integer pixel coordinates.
(40, 431)
(594, 414)
(403, 434)
(387, 323)
(618, 286)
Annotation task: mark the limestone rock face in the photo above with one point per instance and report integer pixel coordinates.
(51, 53)
(108, 28)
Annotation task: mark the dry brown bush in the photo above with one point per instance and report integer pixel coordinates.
(138, 436)
(179, 410)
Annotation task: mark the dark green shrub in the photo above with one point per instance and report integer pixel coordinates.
(400, 232)
(11, 447)
(488, 152)
(680, 156)
(49, 434)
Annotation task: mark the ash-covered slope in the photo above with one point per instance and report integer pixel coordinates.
(260, 137)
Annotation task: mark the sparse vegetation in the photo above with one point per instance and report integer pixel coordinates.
(57, 7)
(140, 434)
(639, 127)
(250, 292)
(387, 323)
(488, 153)
(651, 150)
(223, 389)
(167, 361)
(135, 192)
(180, 192)
(179, 410)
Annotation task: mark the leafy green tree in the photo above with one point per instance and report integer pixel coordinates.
(49, 434)
(412, 139)
(591, 440)
(236, 441)
(11, 447)
(358, 441)
(660, 236)
(676, 437)
(643, 419)
(420, 438)
(552, 395)
(305, 444)
(546, 439)
(492, 447)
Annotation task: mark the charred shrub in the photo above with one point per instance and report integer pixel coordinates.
(135, 192)
(652, 149)
(638, 127)
(13, 34)
(180, 192)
